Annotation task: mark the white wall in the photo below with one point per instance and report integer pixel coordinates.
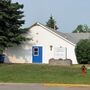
(41, 37)
(46, 38)
(19, 54)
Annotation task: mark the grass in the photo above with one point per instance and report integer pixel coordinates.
(29, 73)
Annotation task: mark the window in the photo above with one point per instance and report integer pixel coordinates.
(35, 51)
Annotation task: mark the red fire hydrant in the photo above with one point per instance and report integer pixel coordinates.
(83, 70)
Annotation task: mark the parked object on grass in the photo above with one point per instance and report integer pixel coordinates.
(2, 57)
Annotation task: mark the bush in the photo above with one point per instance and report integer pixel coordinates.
(83, 51)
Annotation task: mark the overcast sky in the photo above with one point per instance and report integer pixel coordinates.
(67, 13)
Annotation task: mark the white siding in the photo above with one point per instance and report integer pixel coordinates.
(46, 38)
(19, 54)
(41, 37)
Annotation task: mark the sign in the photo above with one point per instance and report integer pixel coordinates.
(60, 52)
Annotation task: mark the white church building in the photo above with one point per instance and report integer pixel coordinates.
(46, 43)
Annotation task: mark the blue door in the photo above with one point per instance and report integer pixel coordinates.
(37, 54)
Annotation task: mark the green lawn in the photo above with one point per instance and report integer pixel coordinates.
(29, 73)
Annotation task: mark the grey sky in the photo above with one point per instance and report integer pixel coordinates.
(67, 13)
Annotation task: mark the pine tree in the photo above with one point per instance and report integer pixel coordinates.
(11, 22)
(52, 23)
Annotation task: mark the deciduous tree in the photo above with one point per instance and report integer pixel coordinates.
(82, 29)
(83, 51)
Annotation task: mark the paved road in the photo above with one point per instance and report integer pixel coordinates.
(37, 87)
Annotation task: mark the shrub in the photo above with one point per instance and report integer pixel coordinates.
(83, 51)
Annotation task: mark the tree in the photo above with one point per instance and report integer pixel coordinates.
(86, 29)
(83, 51)
(82, 29)
(11, 22)
(51, 23)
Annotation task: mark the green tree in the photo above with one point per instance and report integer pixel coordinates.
(82, 29)
(11, 33)
(52, 23)
(86, 29)
(83, 51)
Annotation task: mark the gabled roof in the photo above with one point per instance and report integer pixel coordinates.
(74, 38)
